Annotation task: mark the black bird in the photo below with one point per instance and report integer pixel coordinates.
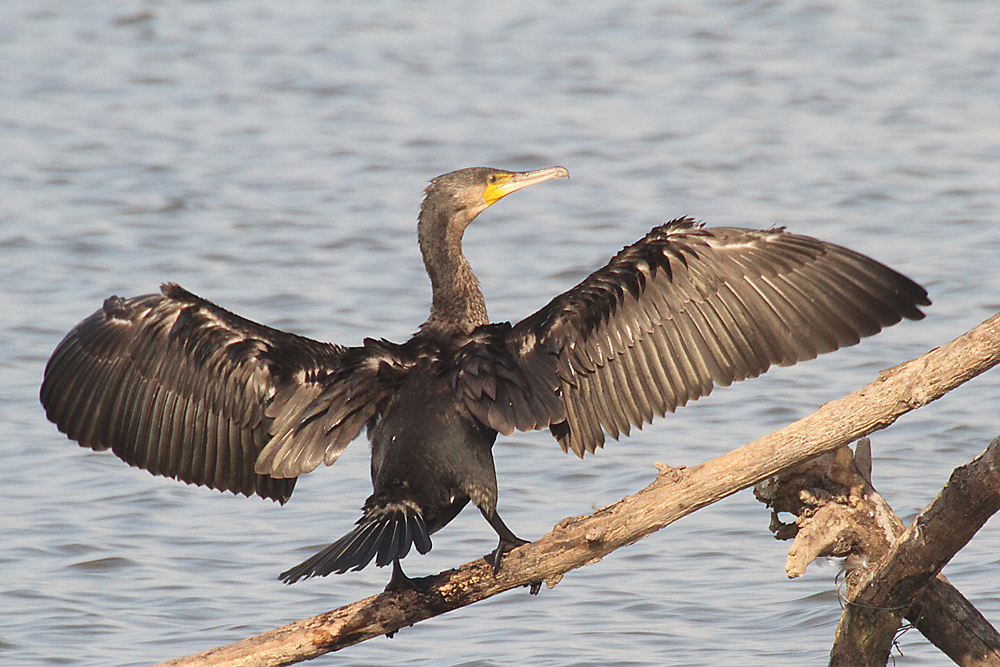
(176, 385)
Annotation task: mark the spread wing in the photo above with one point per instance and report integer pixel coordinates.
(182, 388)
(671, 316)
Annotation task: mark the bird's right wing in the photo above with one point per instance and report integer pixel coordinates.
(182, 388)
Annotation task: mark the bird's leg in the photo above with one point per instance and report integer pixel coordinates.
(508, 540)
(400, 581)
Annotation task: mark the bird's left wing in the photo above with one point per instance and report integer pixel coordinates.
(671, 316)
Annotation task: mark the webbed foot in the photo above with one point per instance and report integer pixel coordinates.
(401, 582)
(494, 557)
(508, 540)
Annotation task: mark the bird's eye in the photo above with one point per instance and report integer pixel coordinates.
(492, 179)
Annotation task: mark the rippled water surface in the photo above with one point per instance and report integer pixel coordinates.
(270, 156)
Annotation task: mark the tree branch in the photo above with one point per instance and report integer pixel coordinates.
(879, 597)
(840, 514)
(674, 493)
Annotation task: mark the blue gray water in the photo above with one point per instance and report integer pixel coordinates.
(270, 156)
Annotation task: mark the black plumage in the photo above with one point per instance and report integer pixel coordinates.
(176, 385)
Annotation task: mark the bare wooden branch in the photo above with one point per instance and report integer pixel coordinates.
(951, 623)
(839, 513)
(878, 599)
(575, 542)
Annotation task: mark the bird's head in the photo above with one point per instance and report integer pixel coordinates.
(464, 194)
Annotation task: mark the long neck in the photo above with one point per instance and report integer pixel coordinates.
(457, 303)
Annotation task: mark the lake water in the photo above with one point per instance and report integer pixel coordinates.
(271, 157)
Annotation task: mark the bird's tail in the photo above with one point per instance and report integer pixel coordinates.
(384, 533)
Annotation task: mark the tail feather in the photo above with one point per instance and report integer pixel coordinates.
(405, 538)
(365, 548)
(384, 535)
(387, 547)
(418, 533)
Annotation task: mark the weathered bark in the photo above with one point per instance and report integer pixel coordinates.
(575, 542)
(877, 599)
(951, 623)
(840, 514)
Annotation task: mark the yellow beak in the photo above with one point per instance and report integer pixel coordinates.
(507, 182)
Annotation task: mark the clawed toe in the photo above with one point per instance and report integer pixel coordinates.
(401, 582)
(503, 547)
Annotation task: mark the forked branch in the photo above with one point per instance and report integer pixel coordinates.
(879, 597)
(839, 513)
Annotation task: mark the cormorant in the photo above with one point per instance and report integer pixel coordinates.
(176, 385)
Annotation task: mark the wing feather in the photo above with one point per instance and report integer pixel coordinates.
(313, 424)
(684, 309)
(176, 385)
